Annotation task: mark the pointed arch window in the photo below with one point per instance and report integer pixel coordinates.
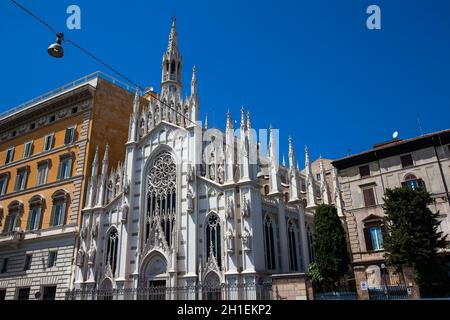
(111, 250)
(213, 239)
(269, 243)
(292, 234)
(161, 197)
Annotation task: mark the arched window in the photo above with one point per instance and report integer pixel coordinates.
(412, 182)
(266, 189)
(292, 246)
(111, 250)
(286, 196)
(15, 210)
(161, 197)
(269, 243)
(35, 213)
(59, 208)
(213, 239)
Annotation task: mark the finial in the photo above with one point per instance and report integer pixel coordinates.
(284, 161)
(249, 123)
(291, 147)
(229, 121)
(242, 117)
(206, 121)
(105, 157)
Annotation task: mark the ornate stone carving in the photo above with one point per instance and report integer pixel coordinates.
(80, 258)
(62, 113)
(229, 236)
(246, 240)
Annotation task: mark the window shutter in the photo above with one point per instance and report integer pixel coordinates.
(52, 216)
(39, 224)
(7, 222)
(29, 219)
(368, 239)
(369, 197)
(420, 183)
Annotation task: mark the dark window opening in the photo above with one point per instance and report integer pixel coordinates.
(49, 293)
(24, 294)
(407, 161)
(364, 171)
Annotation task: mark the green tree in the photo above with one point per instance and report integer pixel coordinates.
(410, 233)
(330, 245)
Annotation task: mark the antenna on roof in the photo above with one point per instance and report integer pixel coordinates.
(420, 125)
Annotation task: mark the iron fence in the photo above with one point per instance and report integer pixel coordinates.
(389, 292)
(339, 291)
(196, 292)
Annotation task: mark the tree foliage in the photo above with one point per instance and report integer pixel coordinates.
(410, 232)
(330, 245)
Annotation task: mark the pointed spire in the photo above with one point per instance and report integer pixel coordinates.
(194, 83)
(206, 121)
(106, 155)
(136, 101)
(229, 120)
(95, 164)
(306, 156)
(242, 118)
(249, 122)
(291, 153)
(173, 37)
(284, 160)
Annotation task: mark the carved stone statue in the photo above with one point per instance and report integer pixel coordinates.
(220, 173)
(246, 208)
(190, 201)
(230, 208)
(80, 258)
(190, 173)
(125, 209)
(91, 255)
(229, 236)
(246, 240)
(94, 230)
(83, 232)
(126, 186)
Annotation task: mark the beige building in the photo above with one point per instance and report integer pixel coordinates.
(423, 161)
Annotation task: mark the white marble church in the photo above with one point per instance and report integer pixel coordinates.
(193, 205)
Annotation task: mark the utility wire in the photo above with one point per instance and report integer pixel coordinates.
(108, 66)
(34, 16)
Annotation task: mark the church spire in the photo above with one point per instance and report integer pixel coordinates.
(173, 37)
(172, 64)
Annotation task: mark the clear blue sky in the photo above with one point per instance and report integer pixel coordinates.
(310, 68)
